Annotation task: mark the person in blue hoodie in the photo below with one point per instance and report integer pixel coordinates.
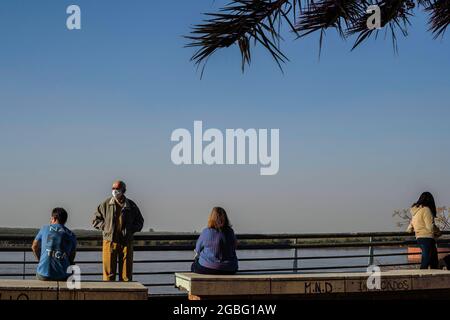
(54, 247)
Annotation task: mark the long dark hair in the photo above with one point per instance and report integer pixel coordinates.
(427, 200)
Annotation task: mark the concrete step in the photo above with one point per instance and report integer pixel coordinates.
(58, 290)
(213, 286)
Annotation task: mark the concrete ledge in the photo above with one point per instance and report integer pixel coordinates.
(53, 290)
(309, 285)
(28, 290)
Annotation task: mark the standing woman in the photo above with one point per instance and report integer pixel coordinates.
(423, 213)
(215, 251)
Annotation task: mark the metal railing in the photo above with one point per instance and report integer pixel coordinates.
(290, 242)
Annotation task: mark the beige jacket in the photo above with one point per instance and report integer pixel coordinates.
(422, 223)
(105, 219)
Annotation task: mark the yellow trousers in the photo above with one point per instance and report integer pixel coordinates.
(117, 254)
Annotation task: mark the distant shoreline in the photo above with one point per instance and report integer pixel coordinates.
(7, 231)
(95, 239)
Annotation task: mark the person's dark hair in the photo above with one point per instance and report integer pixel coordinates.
(427, 200)
(218, 219)
(59, 214)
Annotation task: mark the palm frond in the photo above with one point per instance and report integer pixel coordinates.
(330, 14)
(395, 16)
(439, 17)
(241, 22)
(246, 23)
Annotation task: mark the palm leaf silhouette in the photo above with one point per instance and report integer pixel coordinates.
(246, 23)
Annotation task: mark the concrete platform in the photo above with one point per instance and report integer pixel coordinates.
(310, 285)
(54, 290)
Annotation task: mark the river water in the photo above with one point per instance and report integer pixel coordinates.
(243, 265)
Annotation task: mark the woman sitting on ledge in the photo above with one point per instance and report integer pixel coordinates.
(215, 251)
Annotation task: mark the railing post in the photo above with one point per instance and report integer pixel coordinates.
(24, 264)
(295, 265)
(370, 262)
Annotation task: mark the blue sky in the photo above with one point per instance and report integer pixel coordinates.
(362, 132)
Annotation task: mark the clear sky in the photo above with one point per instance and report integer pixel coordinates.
(362, 133)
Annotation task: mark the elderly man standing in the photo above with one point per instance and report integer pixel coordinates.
(118, 218)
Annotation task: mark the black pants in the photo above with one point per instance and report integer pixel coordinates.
(429, 253)
(198, 268)
(42, 278)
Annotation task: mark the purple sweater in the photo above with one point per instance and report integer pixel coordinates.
(217, 249)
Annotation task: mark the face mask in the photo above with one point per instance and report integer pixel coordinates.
(117, 193)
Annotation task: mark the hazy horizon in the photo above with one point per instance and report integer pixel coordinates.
(362, 133)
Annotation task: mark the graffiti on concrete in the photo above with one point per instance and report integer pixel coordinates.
(389, 285)
(318, 287)
(14, 296)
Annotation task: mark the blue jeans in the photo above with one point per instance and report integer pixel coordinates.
(429, 253)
